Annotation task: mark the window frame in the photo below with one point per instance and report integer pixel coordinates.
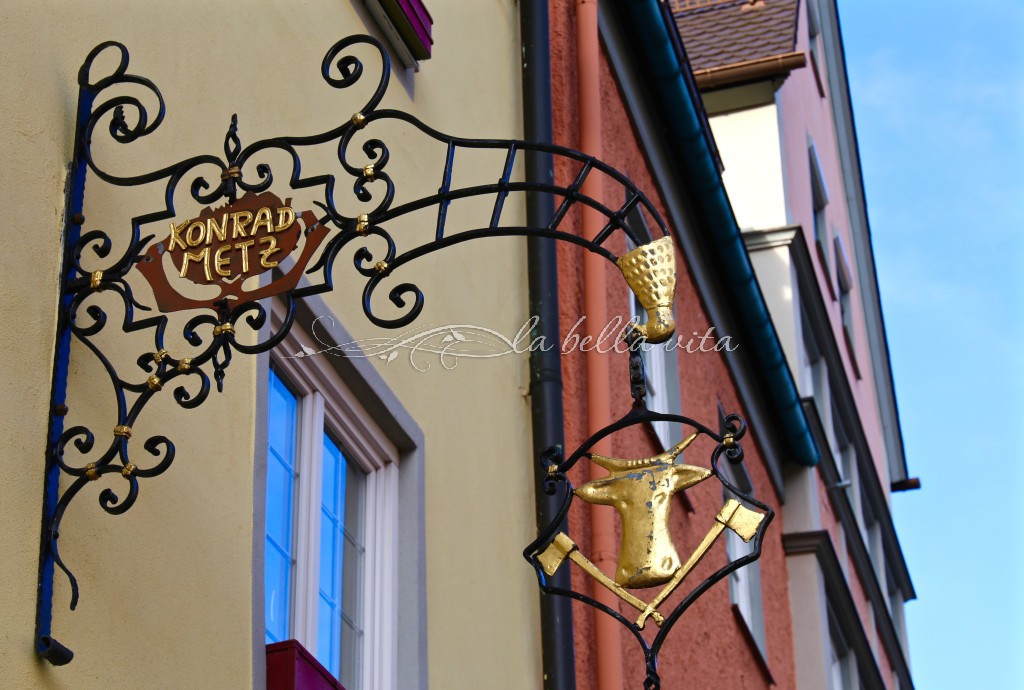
(327, 404)
(744, 583)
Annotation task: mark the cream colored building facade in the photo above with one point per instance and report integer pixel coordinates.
(172, 591)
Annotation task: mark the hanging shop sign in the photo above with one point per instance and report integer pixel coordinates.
(249, 241)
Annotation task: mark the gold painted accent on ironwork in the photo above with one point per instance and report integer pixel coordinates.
(641, 491)
(381, 266)
(90, 472)
(154, 383)
(185, 364)
(563, 547)
(362, 223)
(740, 520)
(234, 172)
(159, 355)
(359, 120)
(123, 430)
(728, 441)
(650, 272)
(368, 171)
(127, 470)
(95, 279)
(223, 328)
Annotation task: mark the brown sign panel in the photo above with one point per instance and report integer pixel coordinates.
(226, 245)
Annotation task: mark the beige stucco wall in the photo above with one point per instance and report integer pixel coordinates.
(167, 587)
(776, 275)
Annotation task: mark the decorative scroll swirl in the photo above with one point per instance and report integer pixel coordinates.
(126, 118)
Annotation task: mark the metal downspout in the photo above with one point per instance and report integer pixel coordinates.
(558, 658)
(607, 634)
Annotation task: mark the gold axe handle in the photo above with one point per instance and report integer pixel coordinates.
(562, 547)
(742, 521)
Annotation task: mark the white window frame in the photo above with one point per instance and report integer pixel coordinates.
(819, 203)
(744, 583)
(325, 402)
(660, 373)
(842, 664)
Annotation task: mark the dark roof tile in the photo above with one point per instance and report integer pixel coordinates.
(717, 33)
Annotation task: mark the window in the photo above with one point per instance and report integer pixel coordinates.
(661, 365)
(813, 37)
(744, 583)
(331, 524)
(407, 28)
(844, 278)
(814, 380)
(842, 669)
(819, 200)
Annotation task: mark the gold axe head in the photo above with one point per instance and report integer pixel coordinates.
(650, 271)
(555, 554)
(740, 520)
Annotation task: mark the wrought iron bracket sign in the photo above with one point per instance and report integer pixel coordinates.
(641, 491)
(241, 243)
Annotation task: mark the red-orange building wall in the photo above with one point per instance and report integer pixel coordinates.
(708, 647)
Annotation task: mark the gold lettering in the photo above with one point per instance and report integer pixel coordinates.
(241, 222)
(194, 239)
(176, 236)
(220, 231)
(265, 254)
(244, 247)
(263, 220)
(203, 256)
(285, 218)
(221, 262)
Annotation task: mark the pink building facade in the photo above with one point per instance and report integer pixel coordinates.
(773, 81)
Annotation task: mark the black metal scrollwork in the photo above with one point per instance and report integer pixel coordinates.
(112, 105)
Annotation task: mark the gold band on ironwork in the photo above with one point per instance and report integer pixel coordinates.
(368, 171)
(95, 279)
(128, 470)
(159, 355)
(359, 120)
(154, 383)
(223, 328)
(728, 441)
(234, 172)
(90, 472)
(362, 223)
(123, 430)
(185, 364)
(381, 267)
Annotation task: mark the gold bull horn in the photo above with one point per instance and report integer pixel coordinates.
(622, 465)
(650, 271)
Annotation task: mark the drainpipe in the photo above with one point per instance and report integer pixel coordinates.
(556, 630)
(607, 636)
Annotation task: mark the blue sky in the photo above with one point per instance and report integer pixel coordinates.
(938, 96)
